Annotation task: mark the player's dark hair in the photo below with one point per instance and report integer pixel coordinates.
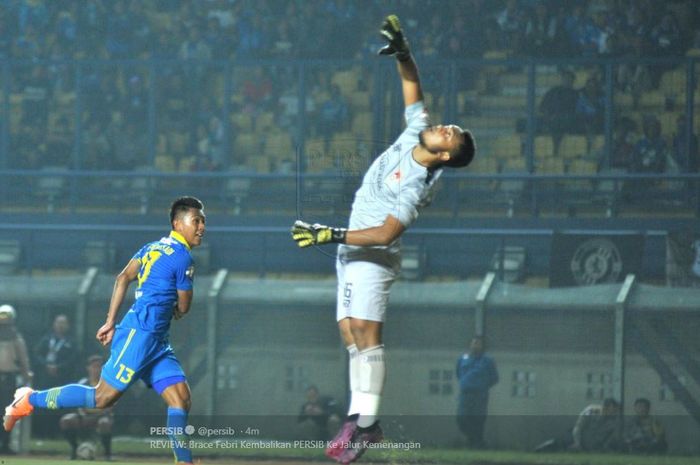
(183, 205)
(464, 153)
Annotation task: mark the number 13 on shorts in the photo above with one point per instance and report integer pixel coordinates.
(124, 374)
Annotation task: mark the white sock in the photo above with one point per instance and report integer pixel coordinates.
(354, 378)
(372, 372)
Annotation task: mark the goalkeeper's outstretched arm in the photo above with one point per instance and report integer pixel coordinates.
(397, 45)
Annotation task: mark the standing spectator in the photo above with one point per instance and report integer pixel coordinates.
(89, 420)
(476, 373)
(36, 93)
(665, 36)
(511, 22)
(14, 361)
(195, 49)
(118, 37)
(590, 107)
(645, 434)
(557, 109)
(332, 114)
(55, 354)
(316, 414)
(540, 32)
(651, 151)
(597, 428)
(685, 155)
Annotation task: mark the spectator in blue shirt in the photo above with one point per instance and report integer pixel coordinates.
(476, 373)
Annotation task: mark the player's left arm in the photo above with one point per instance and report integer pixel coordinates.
(397, 46)
(184, 301)
(184, 277)
(306, 234)
(121, 285)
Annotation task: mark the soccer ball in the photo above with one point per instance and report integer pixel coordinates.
(86, 450)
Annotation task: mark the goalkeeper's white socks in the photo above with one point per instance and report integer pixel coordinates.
(354, 408)
(368, 384)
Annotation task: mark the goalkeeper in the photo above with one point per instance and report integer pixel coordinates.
(397, 184)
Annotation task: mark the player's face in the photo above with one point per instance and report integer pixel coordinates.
(441, 138)
(191, 225)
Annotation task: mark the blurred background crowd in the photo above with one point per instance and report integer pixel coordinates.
(184, 85)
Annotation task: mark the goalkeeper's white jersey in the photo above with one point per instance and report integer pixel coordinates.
(395, 184)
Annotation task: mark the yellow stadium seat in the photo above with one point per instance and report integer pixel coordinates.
(598, 144)
(318, 159)
(242, 121)
(359, 100)
(259, 164)
(573, 146)
(515, 165)
(508, 146)
(346, 80)
(279, 145)
(362, 125)
(668, 123)
(177, 142)
(265, 120)
(550, 166)
(544, 146)
(653, 99)
(581, 76)
(186, 164)
(245, 145)
(672, 81)
(485, 165)
(583, 167)
(165, 163)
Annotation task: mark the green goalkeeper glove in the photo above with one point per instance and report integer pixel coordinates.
(398, 45)
(316, 234)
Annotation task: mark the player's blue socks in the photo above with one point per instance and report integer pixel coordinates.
(69, 396)
(177, 422)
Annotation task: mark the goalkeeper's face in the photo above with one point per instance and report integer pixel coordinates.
(191, 225)
(441, 138)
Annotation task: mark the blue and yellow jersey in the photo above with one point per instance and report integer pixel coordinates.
(166, 267)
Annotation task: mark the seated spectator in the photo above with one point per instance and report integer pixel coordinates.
(557, 109)
(685, 155)
(650, 153)
(624, 143)
(88, 421)
(645, 434)
(597, 428)
(332, 113)
(257, 91)
(317, 414)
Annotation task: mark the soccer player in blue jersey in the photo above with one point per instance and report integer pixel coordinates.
(140, 350)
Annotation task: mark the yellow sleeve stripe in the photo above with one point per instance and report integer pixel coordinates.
(128, 341)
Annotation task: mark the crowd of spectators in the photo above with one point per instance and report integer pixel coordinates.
(186, 96)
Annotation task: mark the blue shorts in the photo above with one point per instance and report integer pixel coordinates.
(137, 354)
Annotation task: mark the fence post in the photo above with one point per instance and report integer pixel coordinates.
(212, 313)
(480, 308)
(619, 344)
(84, 289)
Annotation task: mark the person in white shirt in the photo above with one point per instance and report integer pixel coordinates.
(397, 184)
